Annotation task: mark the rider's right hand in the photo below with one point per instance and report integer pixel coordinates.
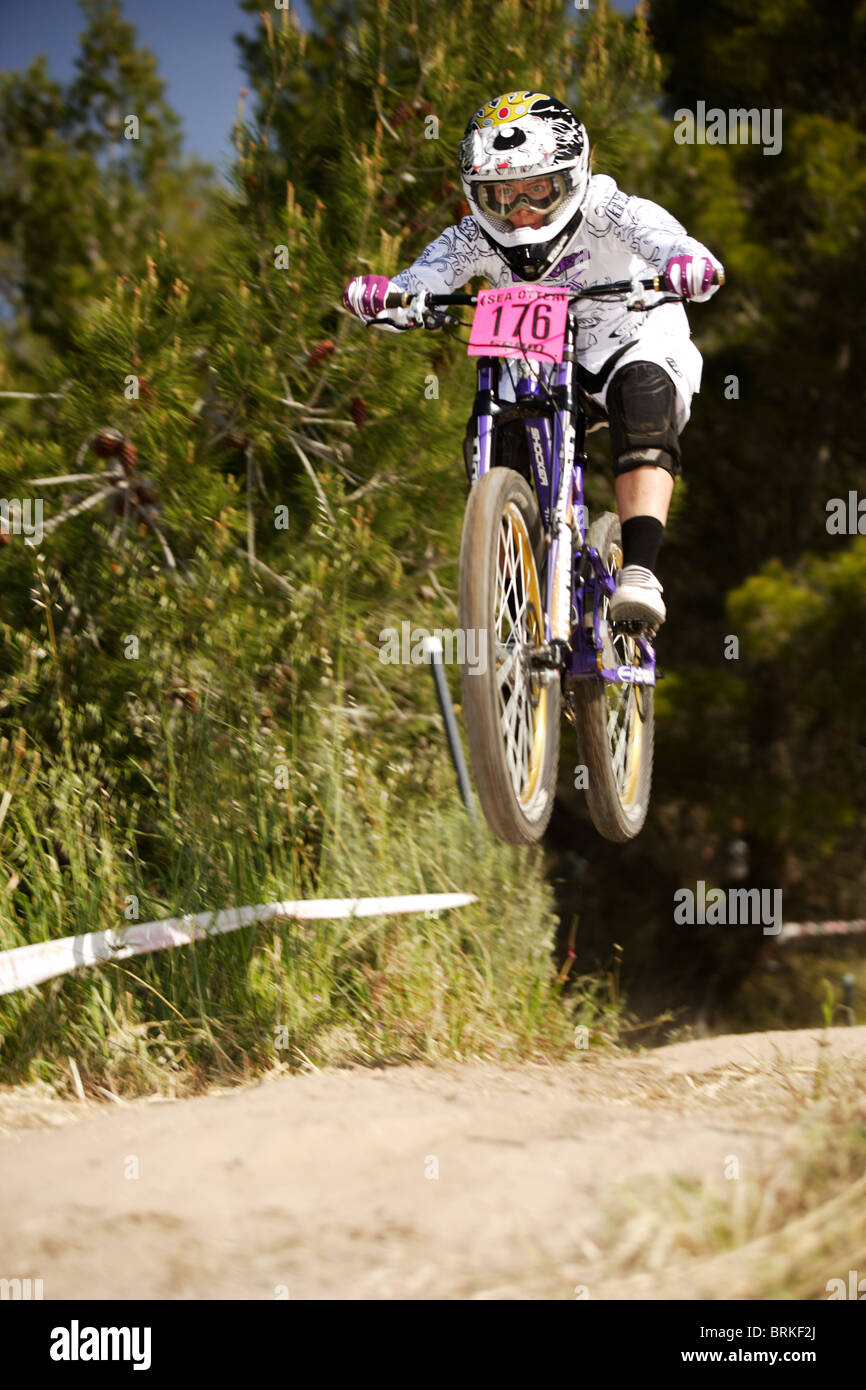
(365, 295)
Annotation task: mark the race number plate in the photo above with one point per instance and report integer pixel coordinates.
(519, 322)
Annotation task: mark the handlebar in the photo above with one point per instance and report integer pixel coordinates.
(401, 299)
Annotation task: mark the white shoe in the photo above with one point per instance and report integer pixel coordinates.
(638, 597)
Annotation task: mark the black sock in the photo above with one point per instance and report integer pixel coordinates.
(641, 541)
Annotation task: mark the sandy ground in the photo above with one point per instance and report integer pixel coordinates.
(451, 1182)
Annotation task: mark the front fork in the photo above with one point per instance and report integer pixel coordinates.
(478, 442)
(560, 558)
(566, 522)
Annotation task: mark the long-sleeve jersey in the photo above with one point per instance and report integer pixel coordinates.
(619, 237)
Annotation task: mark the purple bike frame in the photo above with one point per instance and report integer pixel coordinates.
(576, 575)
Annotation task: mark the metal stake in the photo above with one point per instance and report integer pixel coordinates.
(848, 987)
(433, 650)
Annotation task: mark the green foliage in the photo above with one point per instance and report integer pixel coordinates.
(208, 830)
(196, 711)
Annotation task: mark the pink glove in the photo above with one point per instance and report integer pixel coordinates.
(689, 275)
(365, 295)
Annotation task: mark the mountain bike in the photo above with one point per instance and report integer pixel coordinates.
(536, 578)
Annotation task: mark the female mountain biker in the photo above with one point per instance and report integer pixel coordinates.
(539, 215)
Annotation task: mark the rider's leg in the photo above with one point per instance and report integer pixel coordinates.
(642, 409)
(643, 496)
(644, 491)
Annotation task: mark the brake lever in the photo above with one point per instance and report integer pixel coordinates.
(636, 298)
(422, 314)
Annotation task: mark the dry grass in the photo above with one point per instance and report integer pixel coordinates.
(781, 1232)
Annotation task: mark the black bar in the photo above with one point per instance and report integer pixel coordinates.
(443, 695)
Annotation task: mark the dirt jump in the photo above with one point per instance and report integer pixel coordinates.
(675, 1173)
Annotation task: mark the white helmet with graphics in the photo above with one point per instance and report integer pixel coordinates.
(526, 149)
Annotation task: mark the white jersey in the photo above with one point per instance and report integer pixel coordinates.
(619, 238)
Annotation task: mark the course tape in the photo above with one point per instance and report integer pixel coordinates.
(23, 966)
(823, 928)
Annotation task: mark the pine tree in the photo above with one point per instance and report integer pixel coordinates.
(777, 434)
(86, 171)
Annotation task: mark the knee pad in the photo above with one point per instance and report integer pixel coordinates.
(642, 409)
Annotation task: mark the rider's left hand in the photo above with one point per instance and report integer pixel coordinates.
(689, 276)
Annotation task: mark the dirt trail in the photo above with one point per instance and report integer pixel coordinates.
(324, 1184)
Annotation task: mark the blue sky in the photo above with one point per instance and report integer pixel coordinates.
(193, 41)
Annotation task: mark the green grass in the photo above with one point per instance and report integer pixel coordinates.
(803, 989)
(214, 831)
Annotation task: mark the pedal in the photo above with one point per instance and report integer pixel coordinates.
(635, 627)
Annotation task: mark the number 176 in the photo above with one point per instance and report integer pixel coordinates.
(540, 321)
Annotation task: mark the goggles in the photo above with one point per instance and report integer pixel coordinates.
(501, 198)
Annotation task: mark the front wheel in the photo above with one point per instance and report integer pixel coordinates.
(614, 723)
(511, 707)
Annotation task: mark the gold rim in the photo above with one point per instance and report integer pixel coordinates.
(521, 693)
(625, 724)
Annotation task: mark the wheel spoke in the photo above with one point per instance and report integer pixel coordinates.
(621, 710)
(620, 756)
(505, 664)
(514, 636)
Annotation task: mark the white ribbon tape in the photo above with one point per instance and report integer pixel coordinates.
(23, 966)
(791, 929)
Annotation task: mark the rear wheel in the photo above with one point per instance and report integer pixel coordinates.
(511, 707)
(615, 723)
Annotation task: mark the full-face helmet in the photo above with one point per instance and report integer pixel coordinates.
(526, 149)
